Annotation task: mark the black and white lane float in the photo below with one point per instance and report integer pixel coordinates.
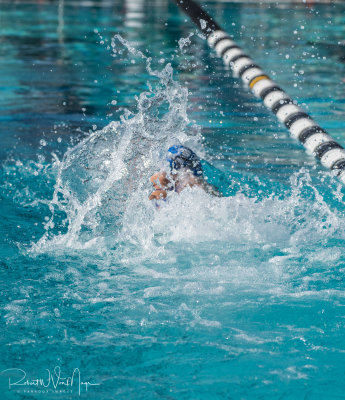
(301, 126)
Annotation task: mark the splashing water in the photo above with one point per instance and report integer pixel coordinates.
(183, 42)
(204, 296)
(97, 178)
(100, 198)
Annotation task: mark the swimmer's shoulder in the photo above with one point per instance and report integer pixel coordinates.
(212, 190)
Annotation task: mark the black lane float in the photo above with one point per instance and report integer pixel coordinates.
(301, 126)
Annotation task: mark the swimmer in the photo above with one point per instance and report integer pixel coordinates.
(185, 171)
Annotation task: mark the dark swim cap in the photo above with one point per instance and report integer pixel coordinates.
(180, 157)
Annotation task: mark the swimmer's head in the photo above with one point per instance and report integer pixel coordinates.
(181, 157)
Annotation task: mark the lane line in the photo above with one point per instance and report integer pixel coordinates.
(300, 124)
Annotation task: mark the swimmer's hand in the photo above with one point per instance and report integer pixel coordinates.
(158, 195)
(161, 183)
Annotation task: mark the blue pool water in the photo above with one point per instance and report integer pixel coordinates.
(239, 297)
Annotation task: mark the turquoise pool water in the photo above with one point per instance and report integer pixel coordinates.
(240, 297)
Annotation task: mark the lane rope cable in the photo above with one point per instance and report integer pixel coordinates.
(301, 126)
